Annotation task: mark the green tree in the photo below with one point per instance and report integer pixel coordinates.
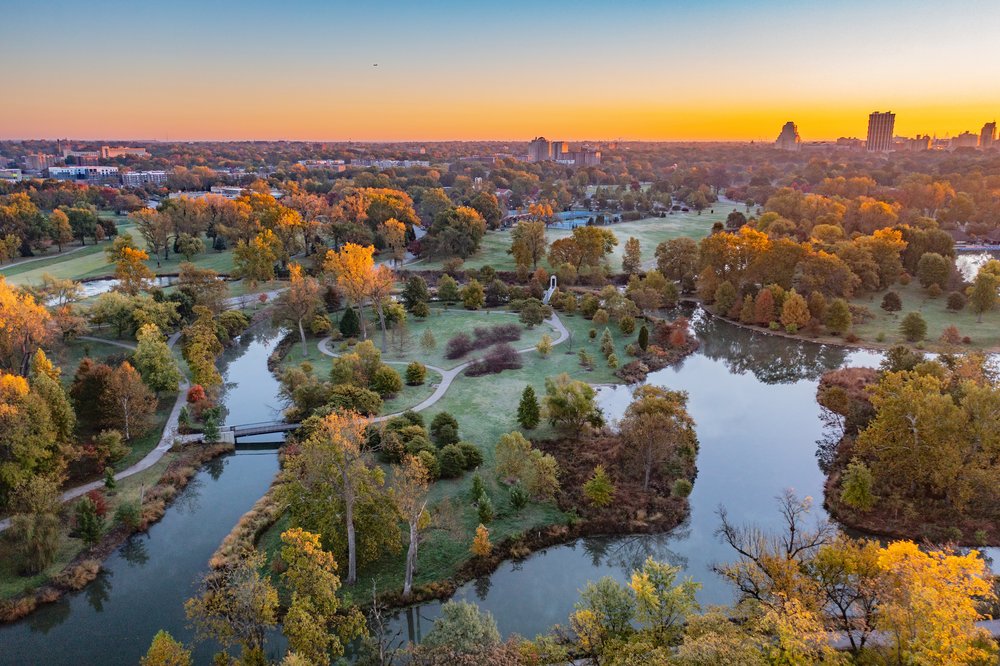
(913, 327)
(856, 490)
(656, 427)
(528, 243)
(570, 404)
(984, 293)
(528, 413)
(725, 297)
(34, 523)
(447, 289)
(463, 629)
(154, 360)
(89, 524)
(415, 373)
(349, 325)
(189, 245)
(838, 317)
(415, 292)
(473, 296)
(427, 341)
(933, 268)
(643, 337)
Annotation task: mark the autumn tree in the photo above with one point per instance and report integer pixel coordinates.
(632, 256)
(205, 286)
(838, 317)
(60, 229)
(131, 402)
(764, 307)
(23, 328)
(165, 650)
(569, 404)
(236, 606)
(794, 312)
(254, 259)
(29, 444)
(983, 295)
(299, 303)
(34, 522)
(200, 347)
(528, 243)
(473, 296)
(656, 428)
(393, 232)
(316, 624)
(677, 257)
(410, 484)
(353, 266)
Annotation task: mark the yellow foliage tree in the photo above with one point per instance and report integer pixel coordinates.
(481, 546)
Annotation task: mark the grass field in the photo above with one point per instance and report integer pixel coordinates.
(984, 335)
(650, 231)
(486, 408)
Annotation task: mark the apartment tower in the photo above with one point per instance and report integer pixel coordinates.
(880, 128)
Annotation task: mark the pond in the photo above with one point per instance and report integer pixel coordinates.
(753, 398)
(144, 585)
(93, 288)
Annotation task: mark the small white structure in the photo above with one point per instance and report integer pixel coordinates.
(551, 290)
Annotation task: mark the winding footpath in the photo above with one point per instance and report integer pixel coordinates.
(448, 376)
(167, 438)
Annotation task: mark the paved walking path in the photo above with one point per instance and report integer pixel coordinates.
(166, 439)
(448, 376)
(58, 255)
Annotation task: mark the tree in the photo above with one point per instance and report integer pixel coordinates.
(913, 327)
(599, 489)
(632, 256)
(794, 312)
(415, 292)
(725, 297)
(463, 629)
(677, 257)
(359, 278)
(933, 269)
(544, 346)
(427, 341)
(455, 232)
(334, 459)
(593, 243)
(856, 489)
(89, 523)
(189, 245)
(349, 325)
(60, 229)
(166, 651)
(643, 337)
(570, 405)
(481, 545)
(155, 228)
(984, 293)
(656, 427)
(316, 625)
(473, 296)
(411, 482)
(237, 605)
(254, 260)
(84, 222)
(34, 523)
(131, 403)
(154, 360)
(528, 243)
(527, 410)
(201, 347)
(447, 289)
(532, 313)
(130, 269)
(444, 429)
(394, 233)
(299, 303)
(838, 317)
(764, 307)
(23, 328)
(891, 302)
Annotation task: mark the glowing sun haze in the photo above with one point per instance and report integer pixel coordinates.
(637, 69)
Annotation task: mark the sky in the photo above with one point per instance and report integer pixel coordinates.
(507, 69)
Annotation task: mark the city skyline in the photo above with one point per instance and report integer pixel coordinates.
(725, 70)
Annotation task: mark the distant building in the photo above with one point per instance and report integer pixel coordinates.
(82, 157)
(965, 140)
(107, 152)
(916, 144)
(88, 173)
(331, 165)
(880, 127)
(850, 143)
(140, 178)
(10, 175)
(788, 139)
(38, 161)
(559, 150)
(539, 150)
(988, 136)
(389, 164)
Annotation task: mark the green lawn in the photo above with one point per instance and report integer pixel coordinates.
(650, 231)
(69, 355)
(984, 335)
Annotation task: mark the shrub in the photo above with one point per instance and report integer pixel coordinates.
(485, 510)
(478, 488)
(444, 429)
(420, 310)
(956, 301)
(386, 382)
(494, 334)
(532, 313)
(905, 279)
(129, 515)
(518, 497)
(607, 343)
(613, 361)
(473, 456)
(430, 463)
(913, 327)
(643, 337)
(589, 306)
(627, 324)
(482, 547)
(196, 394)
(891, 302)
(857, 487)
(458, 346)
(681, 488)
(599, 489)
(934, 290)
(501, 357)
(601, 317)
(452, 461)
(416, 373)
(592, 333)
(544, 346)
(951, 335)
(89, 524)
(320, 325)
(586, 360)
(361, 400)
(838, 316)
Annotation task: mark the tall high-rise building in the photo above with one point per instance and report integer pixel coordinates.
(539, 150)
(988, 137)
(559, 149)
(880, 128)
(789, 137)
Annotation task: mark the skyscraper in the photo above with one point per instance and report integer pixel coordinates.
(988, 137)
(880, 127)
(789, 137)
(539, 149)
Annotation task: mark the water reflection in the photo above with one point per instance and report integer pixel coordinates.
(99, 591)
(134, 551)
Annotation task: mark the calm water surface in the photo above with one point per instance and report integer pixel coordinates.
(145, 584)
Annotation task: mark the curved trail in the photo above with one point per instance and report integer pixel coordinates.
(448, 376)
(167, 438)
